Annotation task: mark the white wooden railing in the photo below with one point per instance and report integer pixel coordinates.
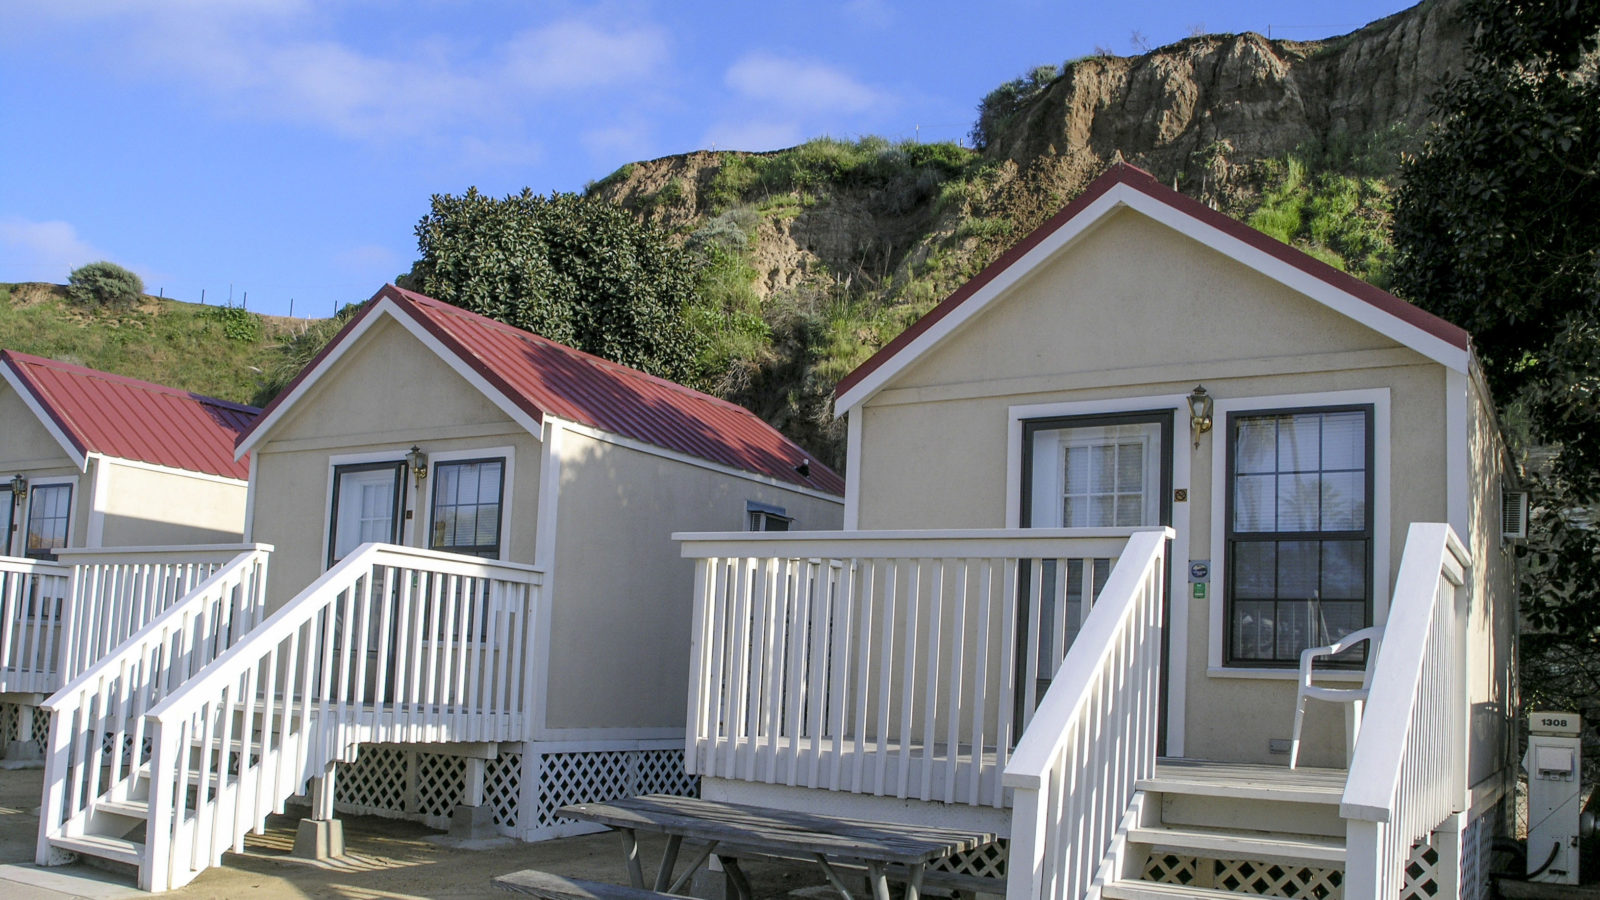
(1094, 737)
(1409, 770)
(33, 596)
(97, 727)
(392, 644)
(890, 663)
(117, 591)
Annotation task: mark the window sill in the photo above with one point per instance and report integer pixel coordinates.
(1283, 674)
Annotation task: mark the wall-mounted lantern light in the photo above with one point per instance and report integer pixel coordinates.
(1199, 413)
(19, 487)
(418, 461)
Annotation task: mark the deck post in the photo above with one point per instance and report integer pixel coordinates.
(321, 836)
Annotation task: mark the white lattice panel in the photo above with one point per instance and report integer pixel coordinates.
(441, 784)
(1422, 873)
(593, 776)
(375, 782)
(502, 788)
(1252, 878)
(41, 730)
(987, 861)
(1477, 844)
(8, 723)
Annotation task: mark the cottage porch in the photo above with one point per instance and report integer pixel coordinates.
(965, 670)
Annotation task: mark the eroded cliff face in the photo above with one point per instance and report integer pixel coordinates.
(1214, 115)
(1264, 98)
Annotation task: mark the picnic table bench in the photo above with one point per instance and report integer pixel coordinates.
(731, 831)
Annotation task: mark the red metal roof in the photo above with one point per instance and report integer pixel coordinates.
(1145, 183)
(543, 377)
(131, 419)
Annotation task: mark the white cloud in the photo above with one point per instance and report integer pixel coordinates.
(572, 54)
(42, 251)
(287, 60)
(800, 85)
(750, 135)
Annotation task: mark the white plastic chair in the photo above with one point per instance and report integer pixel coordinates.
(1354, 698)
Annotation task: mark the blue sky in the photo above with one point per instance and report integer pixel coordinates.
(287, 148)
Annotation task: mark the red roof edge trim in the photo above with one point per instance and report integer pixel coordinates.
(1145, 183)
(62, 425)
(294, 383)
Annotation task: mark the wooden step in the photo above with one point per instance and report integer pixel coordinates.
(102, 846)
(1150, 890)
(1222, 843)
(132, 809)
(1246, 781)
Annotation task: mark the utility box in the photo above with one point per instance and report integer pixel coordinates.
(1554, 763)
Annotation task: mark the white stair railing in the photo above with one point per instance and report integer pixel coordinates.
(1409, 770)
(891, 663)
(97, 727)
(392, 644)
(116, 591)
(1094, 736)
(33, 595)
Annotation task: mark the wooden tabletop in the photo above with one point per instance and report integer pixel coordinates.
(781, 832)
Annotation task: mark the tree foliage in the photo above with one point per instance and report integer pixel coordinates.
(104, 283)
(1000, 105)
(576, 270)
(1496, 229)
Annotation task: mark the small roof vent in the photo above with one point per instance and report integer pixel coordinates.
(1514, 515)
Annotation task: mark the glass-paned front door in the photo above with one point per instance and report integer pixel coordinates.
(366, 507)
(1089, 472)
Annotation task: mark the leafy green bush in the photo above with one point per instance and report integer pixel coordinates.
(576, 270)
(1000, 105)
(238, 323)
(104, 283)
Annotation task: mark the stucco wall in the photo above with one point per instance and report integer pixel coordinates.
(383, 396)
(1135, 311)
(1493, 620)
(27, 449)
(146, 508)
(622, 597)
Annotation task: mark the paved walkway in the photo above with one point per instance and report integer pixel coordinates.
(387, 860)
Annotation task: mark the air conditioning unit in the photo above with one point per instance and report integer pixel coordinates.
(1514, 515)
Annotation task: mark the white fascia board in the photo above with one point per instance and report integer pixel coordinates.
(1123, 195)
(387, 307)
(643, 447)
(79, 459)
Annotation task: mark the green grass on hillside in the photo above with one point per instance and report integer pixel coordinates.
(182, 345)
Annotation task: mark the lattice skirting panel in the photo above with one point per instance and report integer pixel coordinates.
(1249, 877)
(523, 785)
(1422, 870)
(1477, 845)
(9, 714)
(400, 782)
(558, 775)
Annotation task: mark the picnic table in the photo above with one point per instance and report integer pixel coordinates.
(731, 830)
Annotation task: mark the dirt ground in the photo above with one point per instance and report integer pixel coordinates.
(386, 860)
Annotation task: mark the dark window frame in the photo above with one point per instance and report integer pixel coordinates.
(339, 471)
(500, 508)
(1231, 538)
(1160, 417)
(66, 536)
(10, 531)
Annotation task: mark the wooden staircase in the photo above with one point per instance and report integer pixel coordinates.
(1221, 830)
